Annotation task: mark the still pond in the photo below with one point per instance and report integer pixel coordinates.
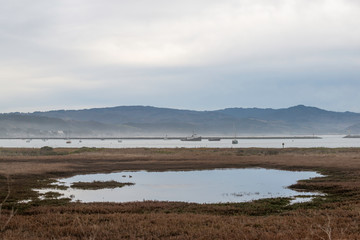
(201, 186)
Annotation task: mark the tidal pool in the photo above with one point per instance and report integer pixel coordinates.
(200, 186)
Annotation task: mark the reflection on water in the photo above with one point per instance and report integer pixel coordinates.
(208, 186)
(331, 141)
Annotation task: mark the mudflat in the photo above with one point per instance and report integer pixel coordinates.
(334, 216)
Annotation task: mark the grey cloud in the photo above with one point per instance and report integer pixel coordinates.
(246, 52)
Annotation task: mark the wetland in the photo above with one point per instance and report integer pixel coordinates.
(334, 215)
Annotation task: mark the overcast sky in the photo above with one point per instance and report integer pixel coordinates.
(188, 54)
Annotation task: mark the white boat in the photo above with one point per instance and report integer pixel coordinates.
(214, 139)
(193, 137)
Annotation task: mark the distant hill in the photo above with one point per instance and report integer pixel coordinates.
(20, 125)
(162, 121)
(153, 121)
(134, 114)
(353, 129)
(314, 119)
(298, 113)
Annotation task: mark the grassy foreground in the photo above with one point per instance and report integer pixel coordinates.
(336, 216)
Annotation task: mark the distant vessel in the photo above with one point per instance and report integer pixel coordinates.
(119, 141)
(352, 136)
(193, 137)
(234, 141)
(68, 141)
(213, 139)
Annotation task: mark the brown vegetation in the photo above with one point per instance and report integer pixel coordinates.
(335, 217)
(73, 222)
(5, 220)
(99, 185)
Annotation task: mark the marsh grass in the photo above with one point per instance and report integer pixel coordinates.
(44, 151)
(84, 150)
(5, 219)
(95, 185)
(50, 194)
(126, 221)
(334, 216)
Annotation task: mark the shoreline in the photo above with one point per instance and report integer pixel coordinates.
(158, 138)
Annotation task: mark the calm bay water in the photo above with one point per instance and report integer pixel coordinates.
(330, 141)
(206, 186)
